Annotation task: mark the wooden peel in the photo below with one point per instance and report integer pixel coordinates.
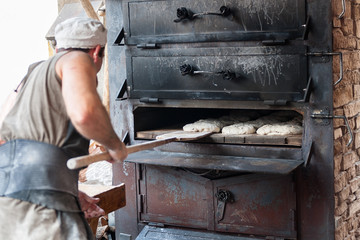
(83, 161)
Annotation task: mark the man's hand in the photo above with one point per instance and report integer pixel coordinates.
(119, 153)
(89, 207)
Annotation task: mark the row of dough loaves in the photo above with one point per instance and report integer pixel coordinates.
(277, 123)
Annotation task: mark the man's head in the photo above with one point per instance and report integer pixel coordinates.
(80, 33)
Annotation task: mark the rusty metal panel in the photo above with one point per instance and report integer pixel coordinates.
(215, 20)
(258, 204)
(174, 197)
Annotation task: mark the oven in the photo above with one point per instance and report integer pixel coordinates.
(172, 63)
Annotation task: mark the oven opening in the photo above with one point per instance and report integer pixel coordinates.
(229, 150)
(229, 126)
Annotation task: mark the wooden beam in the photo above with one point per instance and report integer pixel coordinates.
(90, 12)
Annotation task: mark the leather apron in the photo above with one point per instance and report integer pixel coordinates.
(32, 165)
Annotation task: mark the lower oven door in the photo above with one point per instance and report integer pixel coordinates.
(253, 204)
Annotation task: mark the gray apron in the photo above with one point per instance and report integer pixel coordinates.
(32, 165)
(36, 172)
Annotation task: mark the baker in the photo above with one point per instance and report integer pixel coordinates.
(55, 113)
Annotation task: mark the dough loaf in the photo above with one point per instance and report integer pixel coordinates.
(280, 129)
(204, 125)
(239, 128)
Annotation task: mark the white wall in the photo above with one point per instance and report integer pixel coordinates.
(23, 26)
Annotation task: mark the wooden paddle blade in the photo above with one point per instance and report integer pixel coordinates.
(184, 136)
(149, 145)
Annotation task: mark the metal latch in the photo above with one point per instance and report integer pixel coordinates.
(326, 115)
(149, 100)
(223, 197)
(321, 54)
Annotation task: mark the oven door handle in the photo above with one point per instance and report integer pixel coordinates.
(186, 14)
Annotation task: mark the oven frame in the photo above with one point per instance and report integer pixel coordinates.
(314, 191)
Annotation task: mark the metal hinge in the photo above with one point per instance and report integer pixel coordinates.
(126, 138)
(278, 102)
(149, 100)
(274, 42)
(148, 45)
(124, 92)
(141, 203)
(325, 116)
(155, 224)
(120, 38)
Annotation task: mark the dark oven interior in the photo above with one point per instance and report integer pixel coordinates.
(150, 122)
(220, 154)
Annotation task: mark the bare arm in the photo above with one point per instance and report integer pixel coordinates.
(83, 104)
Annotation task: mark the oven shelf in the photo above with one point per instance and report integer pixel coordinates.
(279, 140)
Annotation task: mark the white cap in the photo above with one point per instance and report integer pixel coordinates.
(80, 33)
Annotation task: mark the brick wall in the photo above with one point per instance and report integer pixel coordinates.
(346, 39)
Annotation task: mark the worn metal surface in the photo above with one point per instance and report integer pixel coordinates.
(189, 200)
(216, 162)
(156, 233)
(126, 217)
(311, 216)
(153, 21)
(263, 205)
(314, 196)
(173, 197)
(260, 73)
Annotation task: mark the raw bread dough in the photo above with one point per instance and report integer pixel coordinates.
(204, 125)
(239, 128)
(238, 123)
(263, 121)
(280, 129)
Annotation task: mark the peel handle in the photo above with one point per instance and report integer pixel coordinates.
(83, 161)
